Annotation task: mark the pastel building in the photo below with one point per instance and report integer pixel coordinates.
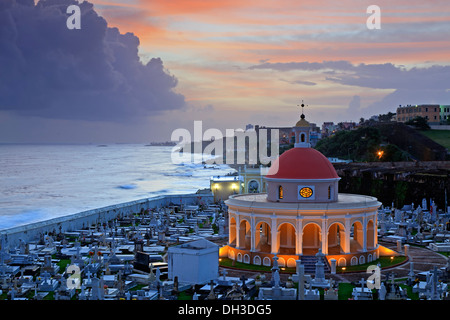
(431, 112)
(302, 213)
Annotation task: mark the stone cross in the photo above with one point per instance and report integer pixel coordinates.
(46, 276)
(224, 275)
(362, 282)
(211, 295)
(243, 279)
(301, 280)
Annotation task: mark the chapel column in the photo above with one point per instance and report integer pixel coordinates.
(364, 234)
(324, 235)
(274, 235)
(299, 237)
(238, 231)
(375, 231)
(252, 232)
(348, 226)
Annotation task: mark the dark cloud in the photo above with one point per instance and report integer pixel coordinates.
(418, 85)
(376, 76)
(301, 82)
(94, 73)
(304, 65)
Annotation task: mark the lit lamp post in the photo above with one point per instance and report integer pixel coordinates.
(380, 154)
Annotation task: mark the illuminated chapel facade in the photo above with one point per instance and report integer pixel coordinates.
(302, 213)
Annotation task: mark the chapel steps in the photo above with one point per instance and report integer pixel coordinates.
(310, 264)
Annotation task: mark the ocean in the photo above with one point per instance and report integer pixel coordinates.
(40, 182)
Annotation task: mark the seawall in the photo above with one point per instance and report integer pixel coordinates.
(32, 231)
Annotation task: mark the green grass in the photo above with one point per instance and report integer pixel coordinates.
(411, 295)
(226, 262)
(383, 261)
(63, 263)
(345, 291)
(440, 136)
(184, 296)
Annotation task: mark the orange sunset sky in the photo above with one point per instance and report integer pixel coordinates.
(212, 47)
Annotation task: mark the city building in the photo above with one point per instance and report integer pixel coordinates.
(445, 114)
(302, 213)
(431, 112)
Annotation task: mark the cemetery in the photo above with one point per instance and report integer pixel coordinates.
(173, 252)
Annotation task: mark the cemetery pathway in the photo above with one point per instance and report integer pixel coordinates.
(424, 260)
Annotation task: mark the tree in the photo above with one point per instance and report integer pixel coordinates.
(419, 123)
(386, 117)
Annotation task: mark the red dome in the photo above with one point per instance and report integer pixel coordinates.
(302, 163)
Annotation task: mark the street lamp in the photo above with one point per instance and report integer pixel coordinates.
(380, 154)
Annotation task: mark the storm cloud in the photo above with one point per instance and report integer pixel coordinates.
(94, 73)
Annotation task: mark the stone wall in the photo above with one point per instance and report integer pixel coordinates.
(32, 231)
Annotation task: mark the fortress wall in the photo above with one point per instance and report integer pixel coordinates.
(32, 231)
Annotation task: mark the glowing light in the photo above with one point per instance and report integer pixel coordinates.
(380, 154)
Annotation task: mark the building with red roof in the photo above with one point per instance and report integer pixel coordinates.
(302, 213)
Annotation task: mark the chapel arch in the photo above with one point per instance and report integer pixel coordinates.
(263, 237)
(370, 234)
(286, 238)
(245, 235)
(336, 238)
(311, 238)
(356, 237)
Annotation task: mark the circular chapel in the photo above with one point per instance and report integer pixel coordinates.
(302, 213)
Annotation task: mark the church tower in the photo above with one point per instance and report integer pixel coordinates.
(302, 132)
(302, 174)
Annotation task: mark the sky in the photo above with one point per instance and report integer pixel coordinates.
(139, 69)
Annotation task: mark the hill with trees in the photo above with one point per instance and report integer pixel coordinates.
(391, 141)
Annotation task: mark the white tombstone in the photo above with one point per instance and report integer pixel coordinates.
(382, 292)
(333, 266)
(319, 278)
(362, 293)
